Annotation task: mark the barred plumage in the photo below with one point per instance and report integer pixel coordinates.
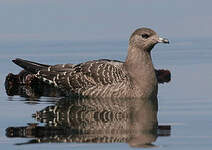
(106, 78)
(93, 120)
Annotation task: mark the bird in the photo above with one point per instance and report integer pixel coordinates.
(133, 78)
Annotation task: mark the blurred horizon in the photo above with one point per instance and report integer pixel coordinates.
(93, 20)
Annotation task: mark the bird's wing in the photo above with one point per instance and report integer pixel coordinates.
(84, 75)
(74, 77)
(61, 67)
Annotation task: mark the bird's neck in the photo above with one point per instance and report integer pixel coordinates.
(140, 69)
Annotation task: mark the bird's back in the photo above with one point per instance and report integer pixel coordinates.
(97, 78)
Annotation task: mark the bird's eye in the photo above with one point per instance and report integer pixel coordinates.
(145, 36)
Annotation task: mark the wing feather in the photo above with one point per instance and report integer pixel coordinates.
(85, 75)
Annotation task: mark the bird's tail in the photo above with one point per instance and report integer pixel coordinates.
(30, 66)
(41, 71)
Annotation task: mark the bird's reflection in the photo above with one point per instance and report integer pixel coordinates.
(84, 120)
(132, 121)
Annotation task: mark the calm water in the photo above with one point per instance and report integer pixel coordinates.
(185, 103)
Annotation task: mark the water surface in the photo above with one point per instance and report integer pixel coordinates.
(185, 103)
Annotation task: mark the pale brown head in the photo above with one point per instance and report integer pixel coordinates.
(145, 39)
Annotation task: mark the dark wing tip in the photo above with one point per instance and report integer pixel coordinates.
(29, 66)
(16, 60)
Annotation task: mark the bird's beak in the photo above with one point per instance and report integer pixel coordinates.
(163, 40)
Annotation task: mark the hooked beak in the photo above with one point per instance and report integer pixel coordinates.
(163, 40)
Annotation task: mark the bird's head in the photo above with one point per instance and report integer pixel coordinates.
(145, 38)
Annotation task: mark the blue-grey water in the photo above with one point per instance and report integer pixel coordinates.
(185, 103)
